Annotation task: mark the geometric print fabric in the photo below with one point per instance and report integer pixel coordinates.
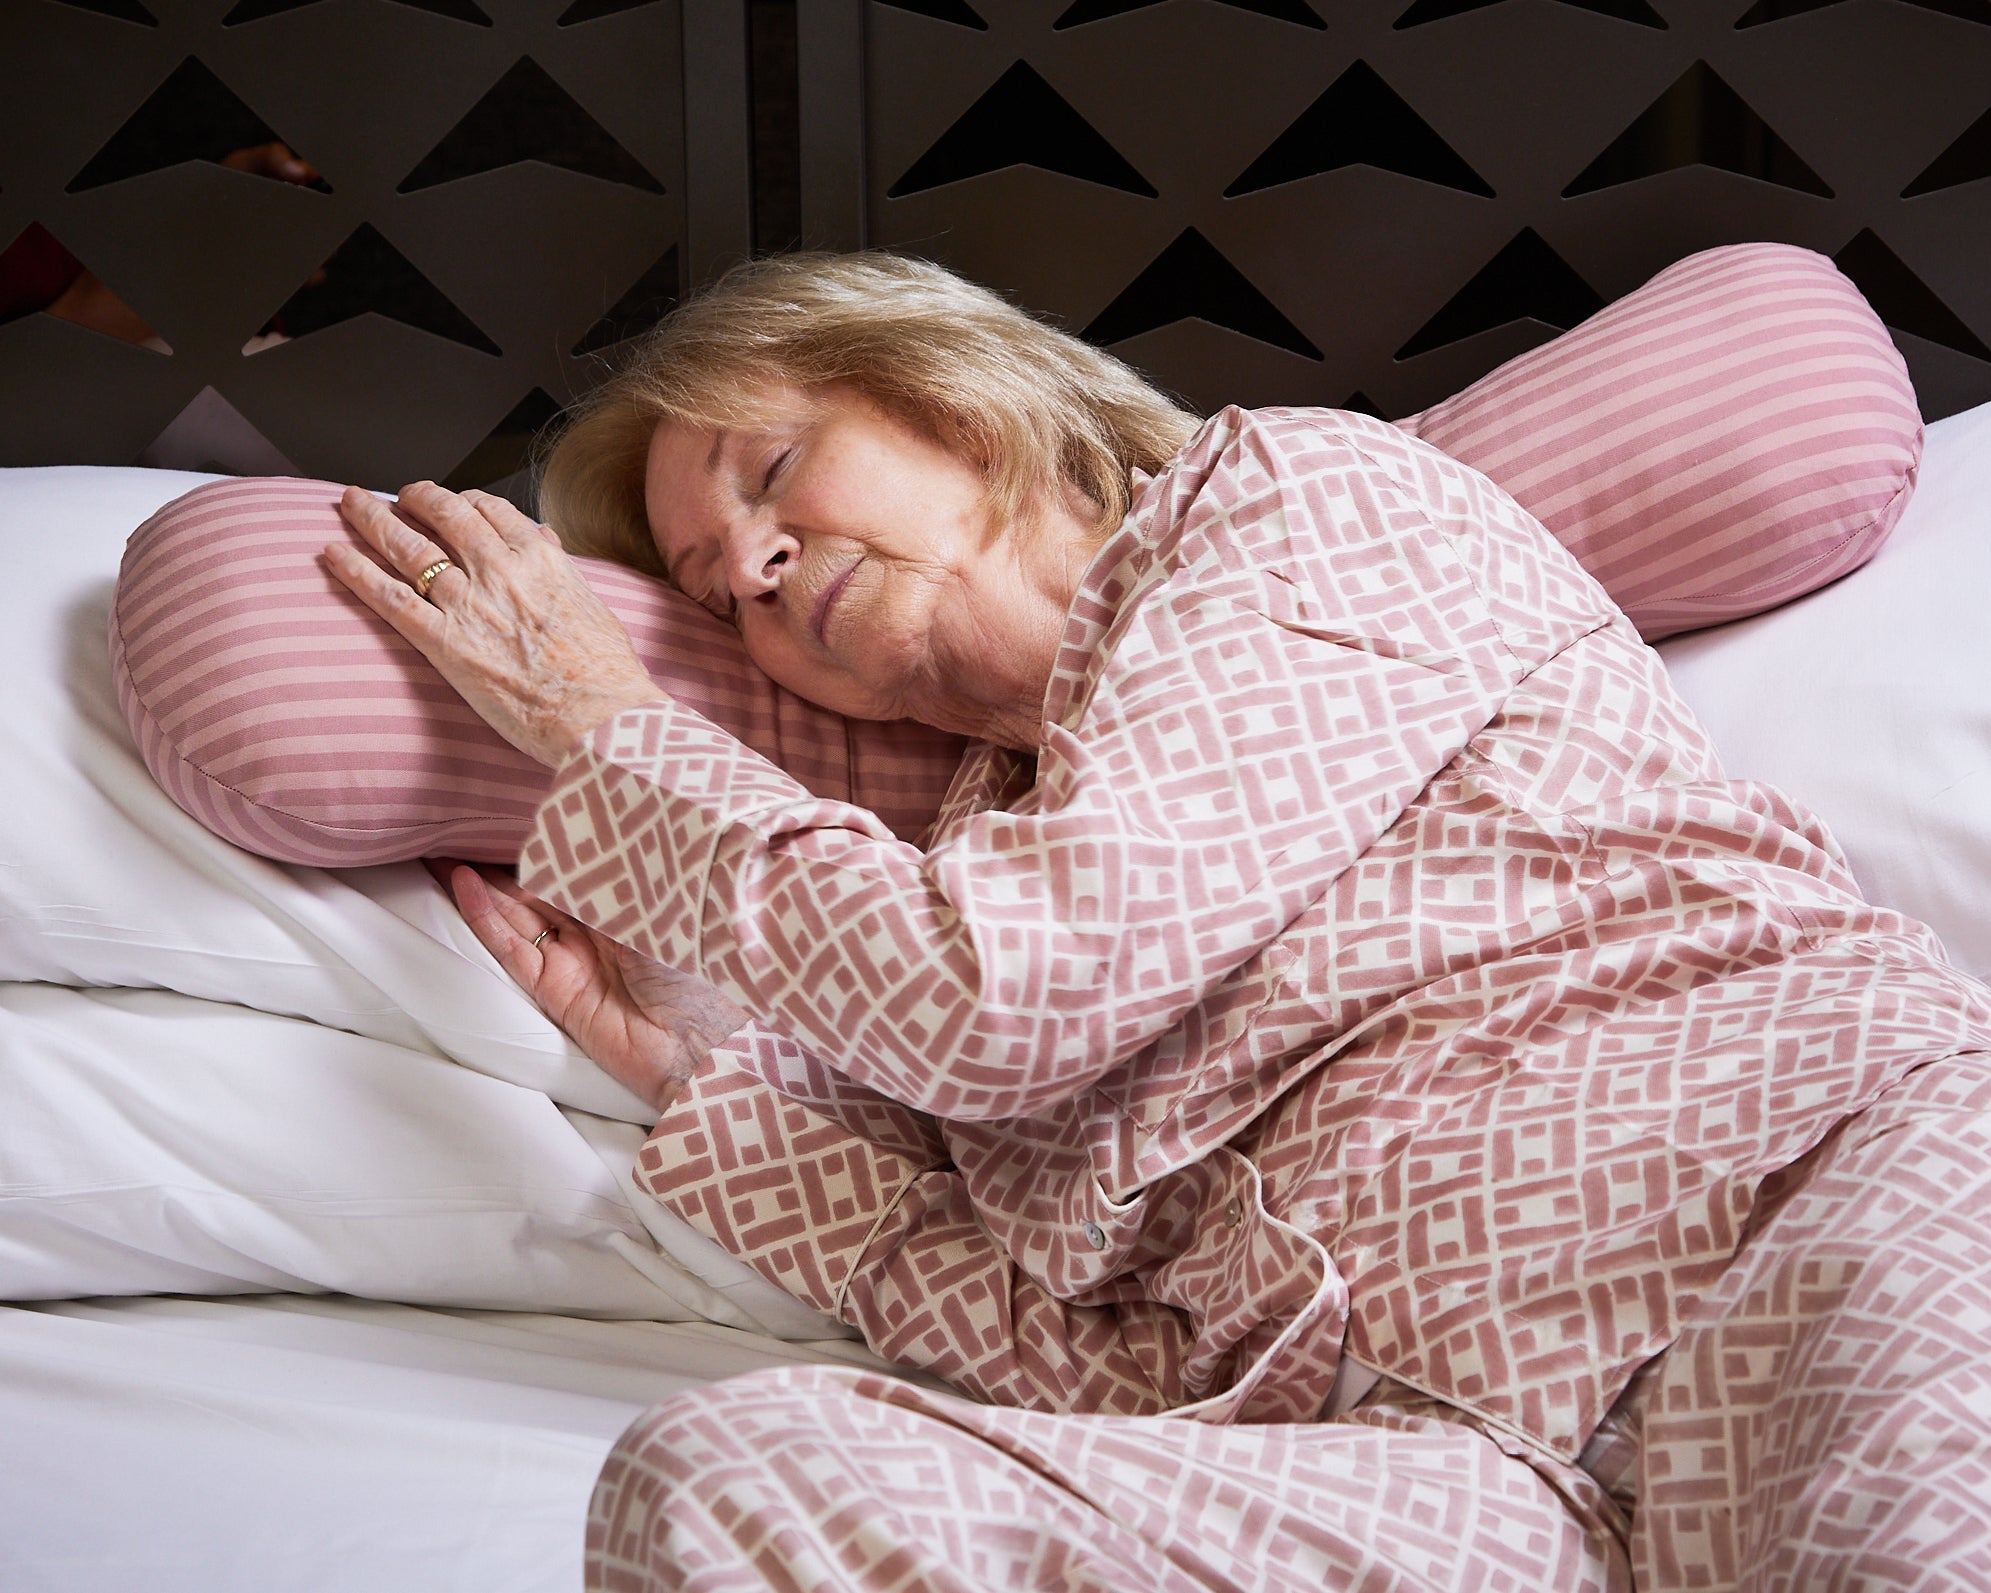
(1820, 1422)
(802, 1480)
(1465, 1041)
(1625, 1127)
(1822, 1418)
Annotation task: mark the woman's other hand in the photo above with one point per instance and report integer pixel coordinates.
(489, 597)
(644, 1024)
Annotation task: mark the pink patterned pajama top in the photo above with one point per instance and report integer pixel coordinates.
(1372, 974)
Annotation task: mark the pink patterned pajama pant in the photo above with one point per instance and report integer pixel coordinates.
(1824, 1422)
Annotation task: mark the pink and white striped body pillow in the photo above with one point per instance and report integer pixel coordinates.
(1737, 432)
(285, 716)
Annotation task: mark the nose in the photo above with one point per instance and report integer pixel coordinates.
(759, 555)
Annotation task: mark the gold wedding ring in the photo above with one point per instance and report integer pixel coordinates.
(548, 930)
(427, 578)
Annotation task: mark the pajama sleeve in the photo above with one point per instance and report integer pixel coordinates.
(880, 1233)
(898, 770)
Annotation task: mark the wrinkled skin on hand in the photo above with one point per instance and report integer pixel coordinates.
(509, 622)
(644, 1024)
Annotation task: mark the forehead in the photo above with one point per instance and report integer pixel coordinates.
(680, 455)
(685, 456)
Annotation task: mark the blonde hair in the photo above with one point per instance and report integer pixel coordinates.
(1032, 407)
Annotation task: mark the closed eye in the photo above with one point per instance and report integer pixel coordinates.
(775, 465)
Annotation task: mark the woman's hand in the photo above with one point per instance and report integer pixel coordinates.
(507, 620)
(646, 1025)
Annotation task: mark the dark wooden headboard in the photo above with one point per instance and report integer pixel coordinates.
(1349, 202)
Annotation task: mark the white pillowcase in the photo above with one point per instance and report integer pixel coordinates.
(156, 1142)
(1870, 701)
(103, 881)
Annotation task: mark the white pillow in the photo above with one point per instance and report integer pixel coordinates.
(155, 1142)
(159, 1143)
(1870, 701)
(103, 881)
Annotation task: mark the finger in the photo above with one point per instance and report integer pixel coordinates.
(518, 529)
(531, 923)
(539, 913)
(404, 545)
(450, 519)
(506, 928)
(519, 959)
(439, 869)
(419, 621)
(500, 921)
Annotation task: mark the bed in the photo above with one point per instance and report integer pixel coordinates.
(326, 1264)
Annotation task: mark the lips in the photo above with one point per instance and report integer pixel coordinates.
(819, 616)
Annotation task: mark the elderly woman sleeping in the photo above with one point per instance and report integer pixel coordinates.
(1341, 999)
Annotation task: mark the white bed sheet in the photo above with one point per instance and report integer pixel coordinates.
(1870, 700)
(292, 1445)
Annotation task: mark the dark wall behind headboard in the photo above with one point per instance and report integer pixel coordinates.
(1363, 202)
(1323, 200)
